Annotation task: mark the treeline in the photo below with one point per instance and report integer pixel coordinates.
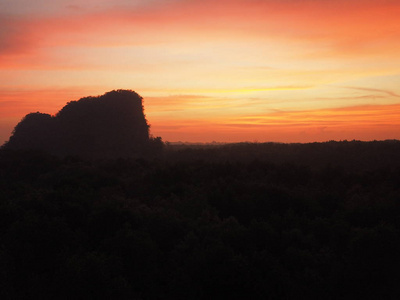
(354, 155)
(226, 222)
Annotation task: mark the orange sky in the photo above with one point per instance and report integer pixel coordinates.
(227, 71)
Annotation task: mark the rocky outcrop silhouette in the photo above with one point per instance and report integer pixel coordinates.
(110, 125)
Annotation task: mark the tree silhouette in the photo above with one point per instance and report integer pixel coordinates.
(33, 132)
(113, 124)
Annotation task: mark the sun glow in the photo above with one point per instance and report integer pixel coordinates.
(292, 71)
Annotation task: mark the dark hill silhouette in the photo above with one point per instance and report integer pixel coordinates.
(110, 125)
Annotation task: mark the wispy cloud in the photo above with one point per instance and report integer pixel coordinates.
(364, 115)
(279, 63)
(382, 91)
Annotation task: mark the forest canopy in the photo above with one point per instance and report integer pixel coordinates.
(244, 221)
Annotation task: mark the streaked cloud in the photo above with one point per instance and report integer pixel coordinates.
(390, 93)
(210, 66)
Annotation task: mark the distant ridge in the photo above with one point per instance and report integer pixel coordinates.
(110, 125)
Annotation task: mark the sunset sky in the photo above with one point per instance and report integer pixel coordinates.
(211, 70)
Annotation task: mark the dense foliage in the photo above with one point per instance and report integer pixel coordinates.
(110, 125)
(245, 221)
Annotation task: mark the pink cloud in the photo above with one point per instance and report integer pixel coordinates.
(345, 25)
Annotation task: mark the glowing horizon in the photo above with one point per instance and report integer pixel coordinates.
(225, 71)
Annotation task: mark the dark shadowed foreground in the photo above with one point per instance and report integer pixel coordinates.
(112, 125)
(245, 221)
